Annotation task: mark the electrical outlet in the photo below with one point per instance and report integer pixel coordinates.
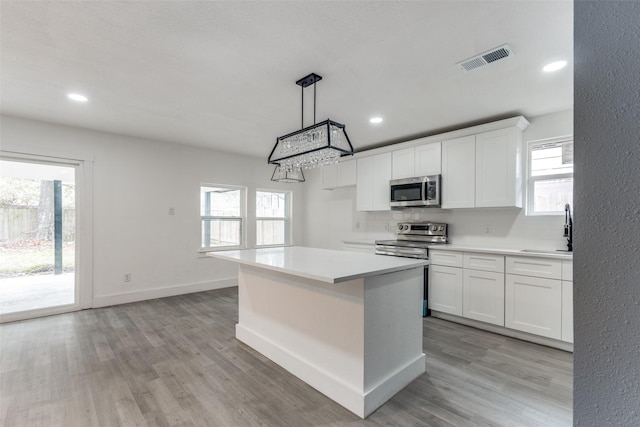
(172, 211)
(127, 277)
(488, 229)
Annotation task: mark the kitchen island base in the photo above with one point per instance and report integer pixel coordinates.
(358, 342)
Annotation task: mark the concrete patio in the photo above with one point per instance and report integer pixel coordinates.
(37, 291)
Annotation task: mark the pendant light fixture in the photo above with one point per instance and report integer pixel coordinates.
(280, 175)
(317, 145)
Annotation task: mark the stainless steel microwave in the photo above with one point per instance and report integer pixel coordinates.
(422, 191)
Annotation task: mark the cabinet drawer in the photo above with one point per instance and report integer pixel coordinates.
(359, 247)
(535, 267)
(448, 258)
(484, 262)
(567, 270)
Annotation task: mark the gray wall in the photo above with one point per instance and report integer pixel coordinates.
(607, 237)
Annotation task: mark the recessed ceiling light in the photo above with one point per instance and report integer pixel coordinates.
(554, 66)
(375, 120)
(77, 97)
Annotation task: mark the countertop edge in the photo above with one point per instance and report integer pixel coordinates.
(501, 251)
(325, 279)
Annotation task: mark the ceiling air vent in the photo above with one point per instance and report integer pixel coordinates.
(483, 59)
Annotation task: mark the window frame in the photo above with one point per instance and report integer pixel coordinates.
(287, 219)
(242, 218)
(531, 180)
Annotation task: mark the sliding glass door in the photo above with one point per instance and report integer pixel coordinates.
(37, 238)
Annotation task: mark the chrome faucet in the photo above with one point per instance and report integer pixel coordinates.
(568, 227)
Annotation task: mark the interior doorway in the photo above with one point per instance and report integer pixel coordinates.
(38, 212)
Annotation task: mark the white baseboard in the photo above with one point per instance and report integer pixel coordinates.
(385, 390)
(351, 397)
(147, 294)
(549, 342)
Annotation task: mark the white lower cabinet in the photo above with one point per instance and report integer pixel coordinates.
(527, 294)
(534, 305)
(483, 296)
(567, 311)
(445, 289)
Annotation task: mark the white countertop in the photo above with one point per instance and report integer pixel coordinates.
(325, 265)
(500, 251)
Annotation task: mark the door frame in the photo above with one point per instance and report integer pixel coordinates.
(83, 230)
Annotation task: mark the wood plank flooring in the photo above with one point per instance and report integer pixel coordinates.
(175, 362)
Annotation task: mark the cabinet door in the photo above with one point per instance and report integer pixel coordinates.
(445, 289)
(428, 159)
(498, 168)
(567, 311)
(483, 296)
(372, 186)
(567, 270)
(329, 177)
(403, 164)
(380, 182)
(341, 174)
(534, 305)
(364, 186)
(347, 173)
(459, 172)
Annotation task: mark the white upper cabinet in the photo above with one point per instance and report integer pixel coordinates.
(342, 174)
(459, 172)
(483, 170)
(428, 159)
(422, 160)
(372, 188)
(403, 163)
(499, 168)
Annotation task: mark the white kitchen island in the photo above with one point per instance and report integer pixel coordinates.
(349, 324)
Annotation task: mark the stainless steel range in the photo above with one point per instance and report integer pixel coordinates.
(412, 239)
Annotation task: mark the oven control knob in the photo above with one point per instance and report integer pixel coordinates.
(441, 228)
(434, 227)
(399, 226)
(406, 227)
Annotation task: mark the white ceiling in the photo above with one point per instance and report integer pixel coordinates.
(221, 74)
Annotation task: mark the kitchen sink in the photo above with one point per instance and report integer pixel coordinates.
(542, 251)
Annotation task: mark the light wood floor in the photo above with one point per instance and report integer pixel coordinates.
(175, 362)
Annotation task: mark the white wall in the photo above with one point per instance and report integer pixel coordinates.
(607, 256)
(332, 217)
(135, 181)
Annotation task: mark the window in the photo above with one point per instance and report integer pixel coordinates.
(222, 213)
(550, 176)
(272, 218)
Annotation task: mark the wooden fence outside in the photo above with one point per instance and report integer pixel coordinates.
(20, 223)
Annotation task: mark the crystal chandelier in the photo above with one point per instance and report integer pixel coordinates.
(317, 145)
